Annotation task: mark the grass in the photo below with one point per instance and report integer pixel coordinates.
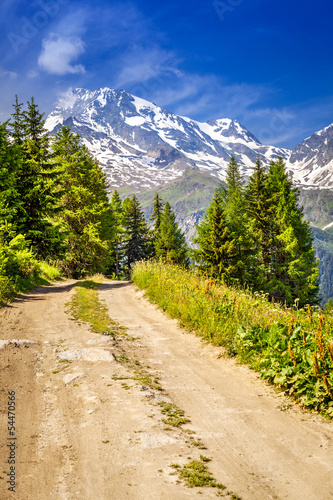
(196, 474)
(174, 415)
(86, 306)
(291, 348)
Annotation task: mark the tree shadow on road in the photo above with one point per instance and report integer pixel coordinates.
(114, 285)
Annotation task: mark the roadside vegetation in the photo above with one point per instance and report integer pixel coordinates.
(20, 270)
(291, 347)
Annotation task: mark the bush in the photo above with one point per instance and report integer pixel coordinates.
(20, 270)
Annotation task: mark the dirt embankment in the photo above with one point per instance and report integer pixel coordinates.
(86, 429)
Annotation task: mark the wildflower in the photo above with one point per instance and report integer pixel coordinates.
(330, 350)
(315, 365)
(320, 339)
(291, 354)
(310, 314)
(327, 386)
(291, 324)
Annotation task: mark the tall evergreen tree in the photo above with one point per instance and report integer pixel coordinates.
(117, 209)
(17, 124)
(137, 242)
(86, 216)
(258, 206)
(37, 181)
(238, 224)
(156, 215)
(293, 270)
(10, 203)
(215, 254)
(170, 244)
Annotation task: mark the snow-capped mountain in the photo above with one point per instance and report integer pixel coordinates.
(311, 162)
(142, 145)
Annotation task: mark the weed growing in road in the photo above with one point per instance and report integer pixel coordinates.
(196, 474)
(147, 379)
(175, 416)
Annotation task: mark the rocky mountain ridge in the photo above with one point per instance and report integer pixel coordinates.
(142, 145)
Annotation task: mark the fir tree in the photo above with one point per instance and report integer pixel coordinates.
(216, 250)
(156, 215)
(37, 181)
(137, 241)
(170, 244)
(117, 209)
(238, 224)
(258, 206)
(17, 125)
(234, 181)
(293, 270)
(86, 216)
(10, 203)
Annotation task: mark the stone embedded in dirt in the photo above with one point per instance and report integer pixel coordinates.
(72, 376)
(156, 440)
(86, 354)
(97, 341)
(3, 343)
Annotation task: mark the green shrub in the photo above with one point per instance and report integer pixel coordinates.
(20, 270)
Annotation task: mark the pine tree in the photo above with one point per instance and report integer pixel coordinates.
(293, 270)
(170, 244)
(137, 241)
(234, 181)
(86, 216)
(17, 125)
(238, 224)
(10, 203)
(117, 209)
(215, 254)
(258, 206)
(37, 181)
(156, 216)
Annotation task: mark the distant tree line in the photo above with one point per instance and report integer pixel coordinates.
(134, 240)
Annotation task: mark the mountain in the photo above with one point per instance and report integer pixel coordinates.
(311, 162)
(143, 145)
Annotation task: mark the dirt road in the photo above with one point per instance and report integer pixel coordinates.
(87, 428)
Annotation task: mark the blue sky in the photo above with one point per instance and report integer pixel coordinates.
(267, 64)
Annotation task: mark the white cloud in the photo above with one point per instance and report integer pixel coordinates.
(142, 64)
(11, 75)
(32, 73)
(58, 54)
(67, 99)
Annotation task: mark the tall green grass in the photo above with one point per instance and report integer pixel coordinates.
(292, 348)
